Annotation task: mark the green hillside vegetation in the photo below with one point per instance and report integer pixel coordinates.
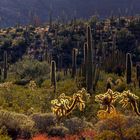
(41, 64)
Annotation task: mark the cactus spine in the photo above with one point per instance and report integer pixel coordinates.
(5, 66)
(128, 68)
(53, 75)
(89, 61)
(74, 62)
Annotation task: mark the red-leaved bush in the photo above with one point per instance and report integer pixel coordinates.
(90, 134)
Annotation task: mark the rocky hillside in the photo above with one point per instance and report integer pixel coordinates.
(14, 11)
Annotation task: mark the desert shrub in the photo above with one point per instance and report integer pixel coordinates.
(88, 134)
(4, 135)
(23, 100)
(132, 120)
(40, 137)
(107, 135)
(132, 133)
(118, 124)
(16, 124)
(60, 131)
(43, 122)
(28, 68)
(76, 125)
(22, 82)
(68, 86)
(121, 87)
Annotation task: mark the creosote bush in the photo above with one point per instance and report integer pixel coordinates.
(107, 135)
(16, 124)
(43, 122)
(60, 131)
(31, 69)
(76, 125)
(118, 126)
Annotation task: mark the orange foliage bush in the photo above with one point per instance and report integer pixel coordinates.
(40, 137)
(84, 134)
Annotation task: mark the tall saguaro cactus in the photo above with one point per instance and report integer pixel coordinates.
(89, 61)
(53, 75)
(138, 71)
(74, 62)
(138, 74)
(84, 66)
(128, 68)
(5, 65)
(0, 74)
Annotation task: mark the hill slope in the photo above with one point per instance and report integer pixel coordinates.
(13, 11)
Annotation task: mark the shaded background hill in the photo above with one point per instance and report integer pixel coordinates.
(22, 11)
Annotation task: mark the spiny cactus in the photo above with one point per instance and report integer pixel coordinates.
(129, 98)
(138, 71)
(84, 66)
(138, 74)
(106, 100)
(60, 62)
(109, 98)
(128, 68)
(0, 74)
(89, 61)
(64, 105)
(74, 62)
(96, 76)
(53, 75)
(5, 66)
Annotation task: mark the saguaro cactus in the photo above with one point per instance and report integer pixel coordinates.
(0, 74)
(74, 62)
(128, 68)
(89, 61)
(84, 65)
(53, 75)
(138, 74)
(96, 76)
(138, 71)
(5, 65)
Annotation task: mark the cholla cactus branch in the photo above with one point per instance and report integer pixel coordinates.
(129, 98)
(64, 105)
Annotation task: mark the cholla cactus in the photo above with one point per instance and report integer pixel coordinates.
(106, 100)
(64, 105)
(129, 98)
(32, 85)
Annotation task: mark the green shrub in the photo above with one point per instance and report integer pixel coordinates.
(119, 124)
(132, 133)
(60, 131)
(22, 82)
(76, 125)
(4, 135)
(43, 122)
(31, 69)
(107, 135)
(15, 123)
